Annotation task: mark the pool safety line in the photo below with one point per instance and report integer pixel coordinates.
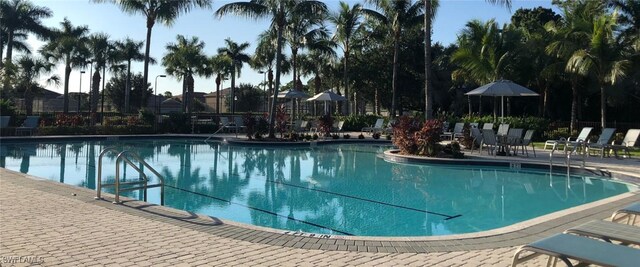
(259, 209)
(453, 217)
(448, 217)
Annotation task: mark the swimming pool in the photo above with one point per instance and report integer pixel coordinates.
(344, 189)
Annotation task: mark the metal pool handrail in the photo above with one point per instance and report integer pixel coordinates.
(124, 156)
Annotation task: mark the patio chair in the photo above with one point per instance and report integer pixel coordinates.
(225, 124)
(629, 141)
(377, 127)
(631, 212)
(579, 141)
(337, 126)
(489, 139)
(514, 138)
(583, 249)
(302, 127)
(526, 141)
(503, 129)
(602, 146)
(608, 231)
(477, 138)
(487, 126)
(239, 124)
(474, 125)
(29, 125)
(4, 121)
(457, 131)
(389, 128)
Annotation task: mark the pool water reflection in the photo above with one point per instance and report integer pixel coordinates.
(339, 189)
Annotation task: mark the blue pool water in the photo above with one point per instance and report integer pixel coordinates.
(338, 189)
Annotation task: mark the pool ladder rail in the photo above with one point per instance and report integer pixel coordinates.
(568, 160)
(143, 182)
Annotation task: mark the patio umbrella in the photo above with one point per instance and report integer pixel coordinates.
(292, 94)
(502, 88)
(327, 96)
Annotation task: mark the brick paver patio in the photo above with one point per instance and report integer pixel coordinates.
(49, 223)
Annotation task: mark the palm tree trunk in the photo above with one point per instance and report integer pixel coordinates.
(574, 105)
(233, 90)
(428, 108)
(28, 100)
(65, 102)
(272, 112)
(318, 83)
(346, 109)
(218, 79)
(94, 94)
(127, 89)
(9, 46)
(376, 100)
(189, 81)
(394, 85)
(145, 74)
(603, 107)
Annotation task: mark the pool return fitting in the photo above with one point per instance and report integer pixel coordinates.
(125, 156)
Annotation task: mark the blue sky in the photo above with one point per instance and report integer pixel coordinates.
(451, 18)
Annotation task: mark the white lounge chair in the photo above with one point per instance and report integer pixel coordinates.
(631, 212)
(566, 247)
(457, 131)
(487, 126)
(377, 127)
(629, 141)
(579, 142)
(608, 231)
(503, 129)
(602, 146)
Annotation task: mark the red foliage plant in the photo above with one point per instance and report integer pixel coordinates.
(413, 137)
(325, 123)
(68, 120)
(281, 120)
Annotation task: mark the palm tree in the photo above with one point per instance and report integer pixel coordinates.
(234, 51)
(99, 46)
(30, 69)
(19, 42)
(155, 10)
(347, 22)
(300, 33)
(184, 59)
(21, 17)
(602, 57)
(221, 65)
(430, 7)
(569, 36)
(279, 11)
(264, 58)
(398, 15)
(129, 50)
(485, 52)
(67, 46)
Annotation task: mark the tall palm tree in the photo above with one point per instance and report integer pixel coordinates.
(279, 11)
(264, 58)
(21, 17)
(301, 32)
(602, 57)
(19, 42)
(319, 57)
(157, 10)
(184, 59)
(430, 7)
(347, 22)
(129, 50)
(398, 15)
(221, 65)
(30, 69)
(68, 46)
(485, 52)
(99, 46)
(570, 35)
(235, 52)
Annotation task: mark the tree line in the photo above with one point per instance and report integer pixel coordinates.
(584, 61)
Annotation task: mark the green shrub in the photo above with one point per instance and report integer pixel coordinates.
(7, 108)
(357, 122)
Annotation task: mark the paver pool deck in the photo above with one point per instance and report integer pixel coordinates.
(50, 223)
